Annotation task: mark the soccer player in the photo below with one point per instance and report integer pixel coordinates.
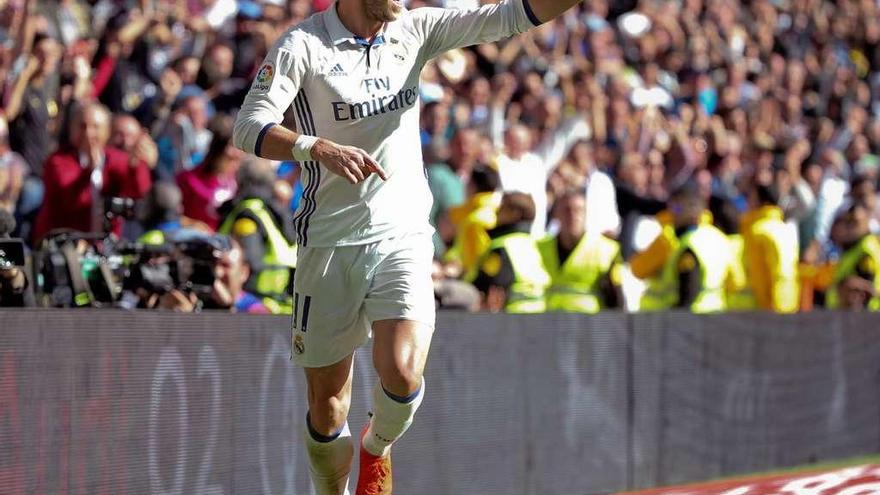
(352, 76)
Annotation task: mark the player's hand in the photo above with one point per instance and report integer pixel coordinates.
(353, 164)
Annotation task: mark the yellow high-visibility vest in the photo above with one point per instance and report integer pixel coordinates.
(713, 253)
(574, 283)
(530, 279)
(866, 251)
(279, 258)
(739, 292)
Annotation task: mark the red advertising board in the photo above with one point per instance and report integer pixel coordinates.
(855, 480)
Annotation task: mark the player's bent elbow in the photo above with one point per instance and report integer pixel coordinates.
(245, 132)
(239, 134)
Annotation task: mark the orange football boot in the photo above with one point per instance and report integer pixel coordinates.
(375, 472)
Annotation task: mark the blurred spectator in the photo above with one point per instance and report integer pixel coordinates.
(863, 191)
(771, 252)
(81, 176)
(584, 275)
(155, 110)
(162, 216)
(212, 183)
(856, 282)
(634, 199)
(184, 139)
(474, 218)
(161, 212)
(254, 220)
(128, 136)
(448, 182)
(118, 81)
(13, 170)
(32, 103)
(602, 209)
(224, 92)
(522, 171)
(511, 274)
(830, 195)
(691, 259)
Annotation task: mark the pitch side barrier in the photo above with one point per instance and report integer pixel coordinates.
(115, 403)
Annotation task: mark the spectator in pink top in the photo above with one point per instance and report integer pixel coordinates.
(212, 183)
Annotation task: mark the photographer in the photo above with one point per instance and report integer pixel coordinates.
(231, 271)
(192, 272)
(15, 288)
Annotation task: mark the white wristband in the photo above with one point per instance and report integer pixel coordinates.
(302, 148)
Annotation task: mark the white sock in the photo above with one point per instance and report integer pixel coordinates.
(391, 418)
(330, 461)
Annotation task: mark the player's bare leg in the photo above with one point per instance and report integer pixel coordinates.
(400, 349)
(328, 439)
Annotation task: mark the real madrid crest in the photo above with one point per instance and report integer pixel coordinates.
(298, 345)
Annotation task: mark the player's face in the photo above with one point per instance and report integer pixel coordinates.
(383, 10)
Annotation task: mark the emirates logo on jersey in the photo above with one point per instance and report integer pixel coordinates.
(377, 105)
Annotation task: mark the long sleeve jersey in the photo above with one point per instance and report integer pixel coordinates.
(365, 94)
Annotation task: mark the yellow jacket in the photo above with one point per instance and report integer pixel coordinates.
(649, 262)
(771, 259)
(473, 220)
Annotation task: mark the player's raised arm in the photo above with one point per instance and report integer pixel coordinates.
(258, 128)
(546, 10)
(446, 29)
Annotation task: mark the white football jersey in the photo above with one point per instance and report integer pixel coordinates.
(353, 92)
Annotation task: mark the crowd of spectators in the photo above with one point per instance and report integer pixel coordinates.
(625, 102)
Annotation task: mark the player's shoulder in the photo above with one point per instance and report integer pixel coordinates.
(423, 14)
(308, 33)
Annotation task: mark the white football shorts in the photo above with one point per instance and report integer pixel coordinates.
(340, 291)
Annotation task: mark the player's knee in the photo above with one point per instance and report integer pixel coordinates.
(400, 379)
(328, 415)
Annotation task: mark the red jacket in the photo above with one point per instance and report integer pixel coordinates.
(68, 199)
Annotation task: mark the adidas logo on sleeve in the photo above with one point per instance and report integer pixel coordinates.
(337, 70)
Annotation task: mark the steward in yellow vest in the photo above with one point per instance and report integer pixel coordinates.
(582, 267)
(473, 219)
(696, 260)
(739, 292)
(271, 256)
(511, 274)
(771, 253)
(856, 282)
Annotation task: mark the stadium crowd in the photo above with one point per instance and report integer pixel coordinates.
(704, 154)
